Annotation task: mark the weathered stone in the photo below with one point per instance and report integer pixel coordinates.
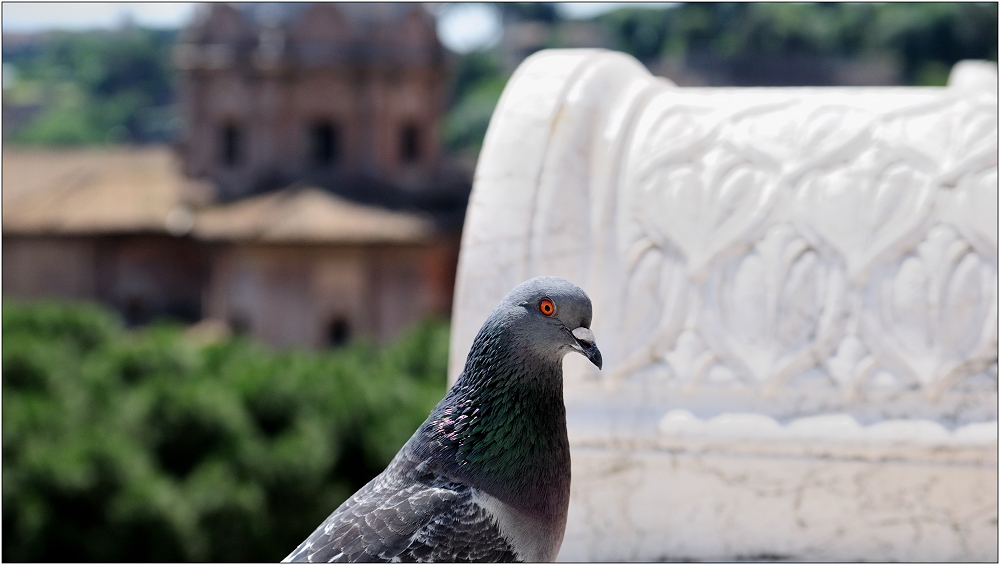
(795, 291)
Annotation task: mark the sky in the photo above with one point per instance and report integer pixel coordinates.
(461, 27)
(41, 16)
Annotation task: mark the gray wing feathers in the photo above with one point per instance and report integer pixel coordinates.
(397, 519)
(466, 533)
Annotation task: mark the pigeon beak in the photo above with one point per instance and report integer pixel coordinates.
(585, 344)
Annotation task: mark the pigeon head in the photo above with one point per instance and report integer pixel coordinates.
(552, 316)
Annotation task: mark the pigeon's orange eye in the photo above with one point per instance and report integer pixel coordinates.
(547, 307)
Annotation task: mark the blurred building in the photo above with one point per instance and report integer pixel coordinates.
(307, 201)
(337, 93)
(299, 266)
(91, 224)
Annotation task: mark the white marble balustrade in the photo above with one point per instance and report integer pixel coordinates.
(795, 292)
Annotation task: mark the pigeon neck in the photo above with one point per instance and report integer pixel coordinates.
(502, 428)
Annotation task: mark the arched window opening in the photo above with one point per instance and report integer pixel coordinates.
(410, 143)
(338, 331)
(239, 323)
(324, 141)
(135, 310)
(231, 145)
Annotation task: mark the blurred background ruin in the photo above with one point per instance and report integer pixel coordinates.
(230, 235)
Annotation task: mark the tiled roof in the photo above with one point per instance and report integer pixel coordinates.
(142, 190)
(308, 215)
(89, 191)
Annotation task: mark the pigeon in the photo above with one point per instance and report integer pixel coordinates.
(486, 477)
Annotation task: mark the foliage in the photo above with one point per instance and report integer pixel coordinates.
(538, 11)
(478, 83)
(146, 446)
(924, 37)
(96, 87)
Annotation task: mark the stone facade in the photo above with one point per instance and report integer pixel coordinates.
(332, 93)
(142, 276)
(324, 295)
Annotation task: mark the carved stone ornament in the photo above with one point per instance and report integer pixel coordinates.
(795, 292)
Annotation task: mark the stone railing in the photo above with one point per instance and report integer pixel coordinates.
(795, 291)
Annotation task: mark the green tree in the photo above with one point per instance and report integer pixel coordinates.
(478, 81)
(144, 446)
(96, 87)
(926, 38)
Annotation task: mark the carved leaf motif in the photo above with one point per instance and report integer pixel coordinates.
(961, 308)
(801, 137)
(704, 207)
(652, 310)
(678, 130)
(866, 212)
(950, 137)
(976, 211)
(933, 315)
(775, 311)
(690, 358)
(975, 146)
(851, 364)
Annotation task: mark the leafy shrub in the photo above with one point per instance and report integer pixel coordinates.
(145, 446)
